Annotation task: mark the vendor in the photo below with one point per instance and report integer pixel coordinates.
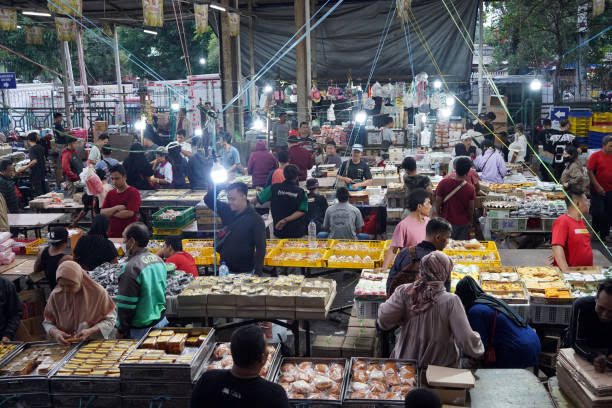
(37, 165)
(355, 172)
(317, 204)
(172, 252)
(434, 327)
(94, 249)
(343, 220)
(55, 253)
(412, 179)
(94, 153)
(10, 310)
(7, 186)
(243, 246)
(590, 330)
(516, 345)
(162, 169)
(518, 148)
(138, 168)
(571, 240)
(186, 150)
(331, 154)
(78, 308)
(465, 148)
(388, 136)
(141, 301)
(300, 157)
(280, 131)
(72, 165)
(229, 156)
(600, 173)
(305, 139)
(180, 169)
(491, 164)
(121, 204)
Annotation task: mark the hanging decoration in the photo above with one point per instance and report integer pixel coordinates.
(67, 7)
(64, 28)
(153, 11)
(8, 19)
(234, 23)
(403, 6)
(34, 35)
(201, 17)
(420, 88)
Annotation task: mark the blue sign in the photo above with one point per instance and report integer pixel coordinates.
(559, 112)
(8, 80)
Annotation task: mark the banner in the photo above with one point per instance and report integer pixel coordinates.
(34, 35)
(64, 28)
(68, 7)
(201, 17)
(8, 19)
(234, 24)
(153, 11)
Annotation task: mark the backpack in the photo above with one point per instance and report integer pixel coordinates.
(408, 274)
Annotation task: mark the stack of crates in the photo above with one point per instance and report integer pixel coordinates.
(163, 228)
(600, 127)
(580, 121)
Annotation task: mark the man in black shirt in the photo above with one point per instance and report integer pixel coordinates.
(488, 128)
(241, 387)
(317, 204)
(412, 179)
(37, 164)
(355, 172)
(590, 330)
(242, 245)
(7, 186)
(58, 129)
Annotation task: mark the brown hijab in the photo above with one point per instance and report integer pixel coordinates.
(433, 272)
(90, 304)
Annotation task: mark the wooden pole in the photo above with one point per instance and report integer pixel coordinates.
(65, 79)
(253, 91)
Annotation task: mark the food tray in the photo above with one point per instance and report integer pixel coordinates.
(361, 247)
(319, 263)
(474, 257)
(274, 359)
(187, 216)
(487, 245)
(33, 247)
(314, 360)
(18, 346)
(337, 262)
(168, 372)
(347, 390)
(535, 290)
(288, 244)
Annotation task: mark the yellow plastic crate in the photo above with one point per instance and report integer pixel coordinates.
(358, 247)
(341, 264)
(167, 231)
(293, 243)
(204, 260)
(319, 263)
(33, 248)
(156, 250)
(474, 257)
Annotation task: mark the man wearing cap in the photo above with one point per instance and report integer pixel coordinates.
(72, 165)
(300, 157)
(317, 204)
(465, 148)
(355, 172)
(280, 130)
(52, 255)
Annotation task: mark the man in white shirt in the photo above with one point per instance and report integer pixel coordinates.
(94, 154)
(186, 151)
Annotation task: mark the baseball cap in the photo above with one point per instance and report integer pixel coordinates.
(312, 184)
(57, 235)
(466, 136)
(358, 147)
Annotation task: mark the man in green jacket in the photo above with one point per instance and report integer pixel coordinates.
(141, 302)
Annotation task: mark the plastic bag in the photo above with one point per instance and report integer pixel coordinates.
(6, 245)
(92, 182)
(4, 236)
(331, 115)
(7, 257)
(377, 90)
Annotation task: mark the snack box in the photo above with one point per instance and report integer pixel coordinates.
(545, 285)
(390, 388)
(221, 355)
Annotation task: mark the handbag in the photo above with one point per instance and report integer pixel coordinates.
(489, 355)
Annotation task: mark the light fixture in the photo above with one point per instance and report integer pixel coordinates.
(258, 124)
(268, 89)
(535, 85)
(361, 117)
(445, 112)
(19, 27)
(450, 101)
(175, 106)
(202, 61)
(140, 124)
(150, 32)
(218, 174)
(35, 13)
(198, 132)
(437, 84)
(217, 7)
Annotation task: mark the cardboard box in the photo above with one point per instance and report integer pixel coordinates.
(221, 300)
(361, 332)
(451, 384)
(493, 100)
(358, 347)
(312, 302)
(356, 322)
(221, 311)
(327, 346)
(279, 313)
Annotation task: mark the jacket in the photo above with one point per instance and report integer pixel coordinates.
(261, 163)
(199, 167)
(72, 165)
(7, 188)
(141, 301)
(576, 176)
(10, 309)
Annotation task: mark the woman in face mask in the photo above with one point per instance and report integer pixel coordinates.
(574, 176)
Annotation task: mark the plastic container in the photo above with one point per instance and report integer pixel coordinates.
(223, 269)
(312, 235)
(187, 216)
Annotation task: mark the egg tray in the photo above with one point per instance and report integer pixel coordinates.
(374, 247)
(276, 358)
(319, 263)
(327, 243)
(376, 260)
(496, 261)
(347, 391)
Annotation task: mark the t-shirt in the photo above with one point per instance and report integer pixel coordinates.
(164, 171)
(131, 199)
(184, 262)
(94, 154)
(106, 164)
(37, 152)
(455, 210)
(388, 135)
(575, 239)
(220, 389)
(335, 160)
(409, 232)
(280, 131)
(186, 146)
(230, 157)
(302, 159)
(601, 165)
(356, 172)
(278, 176)
(342, 221)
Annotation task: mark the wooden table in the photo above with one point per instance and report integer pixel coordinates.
(33, 221)
(22, 266)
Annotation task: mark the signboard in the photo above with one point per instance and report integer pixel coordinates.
(559, 112)
(8, 80)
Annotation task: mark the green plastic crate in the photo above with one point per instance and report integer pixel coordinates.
(185, 218)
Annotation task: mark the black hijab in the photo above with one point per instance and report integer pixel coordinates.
(471, 293)
(99, 226)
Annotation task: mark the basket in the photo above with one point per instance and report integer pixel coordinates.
(367, 309)
(551, 314)
(319, 263)
(33, 247)
(187, 216)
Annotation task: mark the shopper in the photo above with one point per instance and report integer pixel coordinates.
(181, 137)
(305, 139)
(229, 156)
(343, 220)
(548, 151)
(36, 165)
(199, 166)
(138, 168)
(261, 163)
(54, 254)
(472, 176)
(486, 126)
(331, 155)
(280, 131)
(411, 230)
(571, 240)
(7, 186)
(243, 244)
(141, 301)
(501, 329)
(72, 165)
(455, 199)
(122, 204)
(600, 173)
(518, 148)
(491, 164)
(95, 155)
(289, 204)
(388, 136)
(412, 179)
(590, 329)
(180, 169)
(575, 176)
(300, 157)
(162, 169)
(317, 204)
(149, 147)
(173, 253)
(241, 386)
(558, 142)
(78, 307)
(465, 148)
(107, 161)
(422, 398)
(405, 267)
(94, 248)
(10, 310)
(183, 123)
(434, 328)
(278, 175)
(355, 173)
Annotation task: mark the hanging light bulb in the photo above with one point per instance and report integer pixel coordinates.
(268, 89)
(450, 101)
(361, 117)
(218, 174)
(445, 112)
(258, 124)
(437, 84)
(175, 106)
(198, 132)
(535, 85)
(140, 124)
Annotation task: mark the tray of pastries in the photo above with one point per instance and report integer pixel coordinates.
(8, 349)
(35, 359)
(380, 379)
(220, 358)
(98, 358)
(318, 380)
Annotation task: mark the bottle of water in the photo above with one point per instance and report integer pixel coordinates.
(223, 269)
(437, 167)
(312, 235)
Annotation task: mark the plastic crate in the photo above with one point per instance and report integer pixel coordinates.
(551, 314)
(376, 260)
(187, 216)
(33, 247)
(522, 310)
(367, 309)
(19, 247)
(373, 247)
(319, 263)
(286, 244)
(468, 257)
(155, 250)
(162, 233)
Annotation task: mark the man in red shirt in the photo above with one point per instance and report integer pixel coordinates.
(300, 157)
(121, 204)
(571, 241)
(455, 199)
(600, 173)
(72, 165)
(172, 252)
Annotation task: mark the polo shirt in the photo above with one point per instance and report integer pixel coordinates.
(575, 239)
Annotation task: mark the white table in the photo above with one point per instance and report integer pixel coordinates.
(30, 221)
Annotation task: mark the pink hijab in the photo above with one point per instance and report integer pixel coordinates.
(90, 304)
(434, 269)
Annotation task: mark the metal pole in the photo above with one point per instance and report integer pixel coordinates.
(308, 58)
(83, 77)
(253, 92)
(65, 80)
(119, 108)
(480, 50)
(239, 79)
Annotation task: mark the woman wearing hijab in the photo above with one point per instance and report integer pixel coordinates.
(138, 169)
(434, 328)
(95, 248)
(501, 329)
(78, 307)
